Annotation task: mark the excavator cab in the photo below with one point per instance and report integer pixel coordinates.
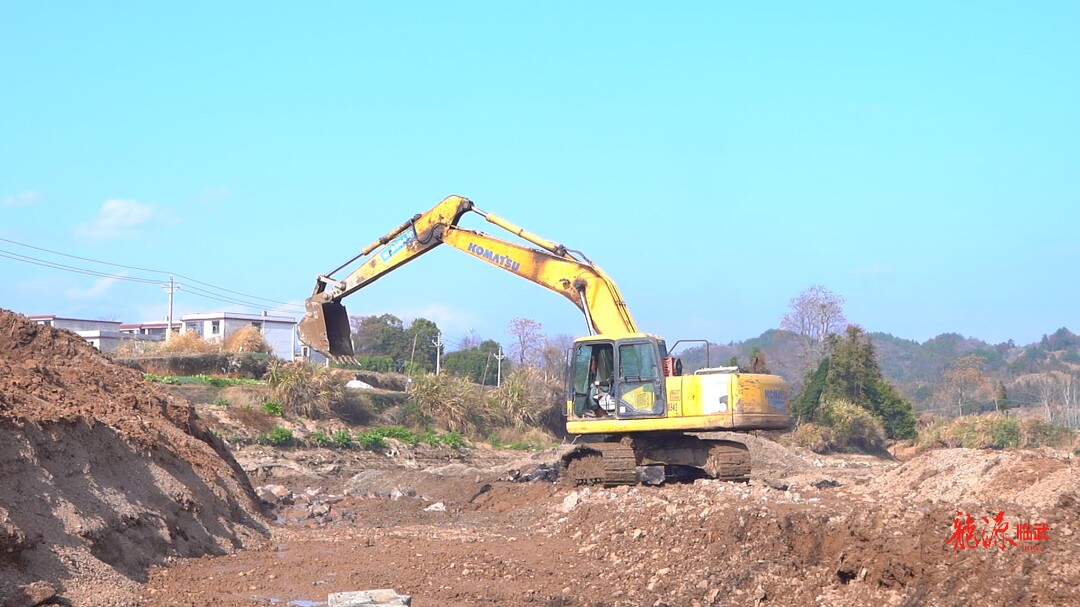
(621, 378)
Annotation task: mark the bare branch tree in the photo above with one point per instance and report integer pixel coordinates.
(528, 339)
(813, 315)
(964, 379)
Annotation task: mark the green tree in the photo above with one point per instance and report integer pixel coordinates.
(851, 372)
(805, 404)
(757, 361)
(378, 335)
(423, 333)
(1001, 397)
(477, 364)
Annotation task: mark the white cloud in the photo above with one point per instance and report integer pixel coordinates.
(874, 269)
(118, 218)
(22, 199)
(99, 288)
(449, 319)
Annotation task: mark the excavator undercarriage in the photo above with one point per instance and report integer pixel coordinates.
(654, 458)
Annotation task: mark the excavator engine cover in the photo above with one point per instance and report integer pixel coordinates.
(325, 328)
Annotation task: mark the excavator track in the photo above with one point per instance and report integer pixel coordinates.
(609, 464)
(654, 458)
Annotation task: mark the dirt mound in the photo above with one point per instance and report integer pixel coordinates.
(1036, 481)
(103, 474)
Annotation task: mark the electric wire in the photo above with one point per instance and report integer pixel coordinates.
(194, 290)
(137, 268)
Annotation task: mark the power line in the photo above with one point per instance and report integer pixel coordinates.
(127, 267)
(90, 272)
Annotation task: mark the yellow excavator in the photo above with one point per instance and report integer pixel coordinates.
(623, 387)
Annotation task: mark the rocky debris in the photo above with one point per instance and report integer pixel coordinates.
(275, 494)
(544, 472)
(29, 595)
(369, 598)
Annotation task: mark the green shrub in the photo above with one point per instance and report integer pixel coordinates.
(278, 437)
(1005, 433)
(342, 439)
(429, 437)
(850, 426)
(453, 439)
(400, 433)
(272, 408)
(222, 402)
(1038, 433)
(164, 379)
(370, 441)
(320, 439)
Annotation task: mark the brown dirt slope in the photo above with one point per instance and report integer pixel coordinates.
(102, 474)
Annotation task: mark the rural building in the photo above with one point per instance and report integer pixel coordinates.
(154, 329)
(278, 331)
(102, 334)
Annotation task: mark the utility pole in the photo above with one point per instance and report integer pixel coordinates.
(438, 343)
(499, 357)
(170, 288)
(412, 356)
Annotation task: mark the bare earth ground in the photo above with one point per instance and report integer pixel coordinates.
(877, 538)
(113, 493)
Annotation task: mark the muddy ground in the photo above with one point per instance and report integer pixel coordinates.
(450, 529)
(114, 492)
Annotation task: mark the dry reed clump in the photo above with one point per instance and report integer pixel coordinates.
(449, 402)
(132, 348)
(458, 405)
(523, 397)
(247, 339)
(188, 343)
(995, 431)
(840, 425)
(306, 390)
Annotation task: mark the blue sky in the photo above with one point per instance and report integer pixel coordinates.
(715, 159)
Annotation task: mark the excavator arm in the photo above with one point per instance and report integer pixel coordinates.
(325, 326)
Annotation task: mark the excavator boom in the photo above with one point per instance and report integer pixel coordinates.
(325, 326)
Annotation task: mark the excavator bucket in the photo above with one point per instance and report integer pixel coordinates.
(325, 328)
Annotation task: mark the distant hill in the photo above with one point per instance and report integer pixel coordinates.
(917, 369)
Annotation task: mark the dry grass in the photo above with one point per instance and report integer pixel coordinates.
(450, 402)
(523, 397)
(187, 343)
(840, 425)
(995, 431)
(458, 405)
(306, 390)
(247, 339)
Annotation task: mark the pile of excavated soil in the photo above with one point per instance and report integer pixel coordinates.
(102, 475)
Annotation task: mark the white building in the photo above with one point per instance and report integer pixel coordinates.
(154, 329)
(102, 334)
(278, 331)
